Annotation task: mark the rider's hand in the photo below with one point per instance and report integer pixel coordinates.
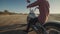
(28, 1)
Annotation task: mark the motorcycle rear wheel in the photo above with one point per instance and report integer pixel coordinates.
(52, 27)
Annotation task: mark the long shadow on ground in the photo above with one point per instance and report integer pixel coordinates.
(14, 32)
(11, 27)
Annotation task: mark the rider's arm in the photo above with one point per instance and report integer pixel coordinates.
(33, 4)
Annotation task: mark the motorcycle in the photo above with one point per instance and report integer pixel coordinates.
(45, 28)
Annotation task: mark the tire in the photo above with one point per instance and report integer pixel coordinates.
(39, 29)
(52, 26)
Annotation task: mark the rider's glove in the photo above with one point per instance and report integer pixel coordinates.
(28, 1)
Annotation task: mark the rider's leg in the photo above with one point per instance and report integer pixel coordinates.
(44, 13)
(29, 24)
(32, 21)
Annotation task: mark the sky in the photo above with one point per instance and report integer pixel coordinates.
(19, 6)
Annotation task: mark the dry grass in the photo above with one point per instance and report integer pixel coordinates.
(12, 19)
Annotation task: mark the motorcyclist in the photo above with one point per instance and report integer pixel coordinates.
(43, 6)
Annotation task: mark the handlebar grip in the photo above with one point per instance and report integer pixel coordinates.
(28, 1)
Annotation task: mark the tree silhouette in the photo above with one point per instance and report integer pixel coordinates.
(6, 11)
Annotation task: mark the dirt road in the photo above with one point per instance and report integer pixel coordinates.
(12, 22)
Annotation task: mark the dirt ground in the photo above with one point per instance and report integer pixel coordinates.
(6, 20)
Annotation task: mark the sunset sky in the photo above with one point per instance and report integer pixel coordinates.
(19, 6)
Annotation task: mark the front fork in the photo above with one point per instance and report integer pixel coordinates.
(36, 26)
